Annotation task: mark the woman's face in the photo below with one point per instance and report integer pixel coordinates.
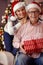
(21, 13)
(33, 14)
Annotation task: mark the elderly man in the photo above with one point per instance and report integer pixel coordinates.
(29, 38)
(11, 28)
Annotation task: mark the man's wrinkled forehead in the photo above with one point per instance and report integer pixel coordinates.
(33, 9)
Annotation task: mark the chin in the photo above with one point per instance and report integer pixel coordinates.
(34, 19)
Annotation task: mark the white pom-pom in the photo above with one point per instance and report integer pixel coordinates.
(12, 18)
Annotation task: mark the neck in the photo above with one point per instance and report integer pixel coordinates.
(23, 20)
(34, 23)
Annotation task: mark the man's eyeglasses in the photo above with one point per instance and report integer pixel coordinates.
(33, 12)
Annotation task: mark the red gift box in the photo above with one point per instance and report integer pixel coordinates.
(39, 45)
(29, 46)
(33, 46)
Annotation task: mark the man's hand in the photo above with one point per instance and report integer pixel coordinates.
(22, 49)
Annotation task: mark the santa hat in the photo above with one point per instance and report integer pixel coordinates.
(33, 5)
(13, 4)
(13, 1)
(18, 5)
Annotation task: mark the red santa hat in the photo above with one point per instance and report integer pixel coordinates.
(18, 5)
(13, 1)
(13, 4)
(33, 5)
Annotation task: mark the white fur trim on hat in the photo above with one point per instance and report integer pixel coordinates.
(33, 6)
(18, 5)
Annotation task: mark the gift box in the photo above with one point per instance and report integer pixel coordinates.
(33, 46)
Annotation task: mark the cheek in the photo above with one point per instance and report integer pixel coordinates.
(24, 12)
(17, 13)
(37, 16)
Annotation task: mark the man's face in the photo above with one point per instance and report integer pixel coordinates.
(33, 14)
(21, 13)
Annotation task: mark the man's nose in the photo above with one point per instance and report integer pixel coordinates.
(33, 15)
